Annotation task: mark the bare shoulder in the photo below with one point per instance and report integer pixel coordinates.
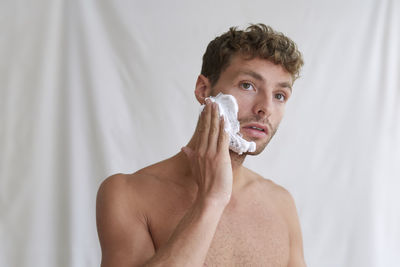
(127, 196)
(130, 194)
(120, 195)
(114, 189)
(284, 201)
(122, 221)
(264, 183)
(114, 183)
(128, 185)
(281, 194)
(274, 192)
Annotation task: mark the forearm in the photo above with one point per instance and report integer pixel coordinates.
(210, 163)
(189, 243)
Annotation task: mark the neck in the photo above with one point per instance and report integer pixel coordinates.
(237, 162)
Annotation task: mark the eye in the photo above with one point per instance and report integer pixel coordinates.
(247, 86)
(280, 97)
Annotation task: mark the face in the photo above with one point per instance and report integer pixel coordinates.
(261, 89)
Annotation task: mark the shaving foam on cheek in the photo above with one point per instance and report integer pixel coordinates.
(228, 108)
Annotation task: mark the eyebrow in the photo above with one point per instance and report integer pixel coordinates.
(286, 84)
(257, 76)
(253, 74)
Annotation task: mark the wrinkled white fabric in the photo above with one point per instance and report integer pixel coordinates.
(228, 108)
(92, 88)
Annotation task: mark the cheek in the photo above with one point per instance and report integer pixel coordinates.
(244, 102)
(278, 116)
(244, 108)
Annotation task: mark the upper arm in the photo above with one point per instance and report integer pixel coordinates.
(123, 232)
(296, 240)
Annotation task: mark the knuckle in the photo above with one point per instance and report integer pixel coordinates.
(210, 156)
(218, 156)
(214, 129)
(200, 155)
(222, 138)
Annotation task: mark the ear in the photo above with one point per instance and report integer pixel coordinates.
(203, 89)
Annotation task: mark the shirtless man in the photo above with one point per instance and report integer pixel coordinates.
(202, 207)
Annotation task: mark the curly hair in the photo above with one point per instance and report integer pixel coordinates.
(258, 40)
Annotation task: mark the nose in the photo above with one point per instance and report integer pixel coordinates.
(263, 105)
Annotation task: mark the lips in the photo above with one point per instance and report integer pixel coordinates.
(255, 130)
(257, 126)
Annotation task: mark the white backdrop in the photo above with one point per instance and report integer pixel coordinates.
(90, 88)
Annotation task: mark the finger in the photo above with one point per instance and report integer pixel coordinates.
(199, 121)
(214, 129)
(202, 142)
(200, 125)
(223, 137)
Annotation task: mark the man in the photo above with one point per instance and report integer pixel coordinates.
(202, 207)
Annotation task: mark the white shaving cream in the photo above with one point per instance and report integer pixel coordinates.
(228, 108)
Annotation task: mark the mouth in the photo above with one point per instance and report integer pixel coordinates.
(255, 130)
(254, 127)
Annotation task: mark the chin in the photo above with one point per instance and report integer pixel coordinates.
(261, 144)
(259, 148)
(255, 153)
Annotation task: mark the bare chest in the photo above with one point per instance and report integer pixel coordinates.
(250, 238)
(249, 234)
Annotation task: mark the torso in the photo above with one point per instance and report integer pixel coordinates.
(252, 230)
(250, 234)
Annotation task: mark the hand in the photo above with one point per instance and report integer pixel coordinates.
(210, 160)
